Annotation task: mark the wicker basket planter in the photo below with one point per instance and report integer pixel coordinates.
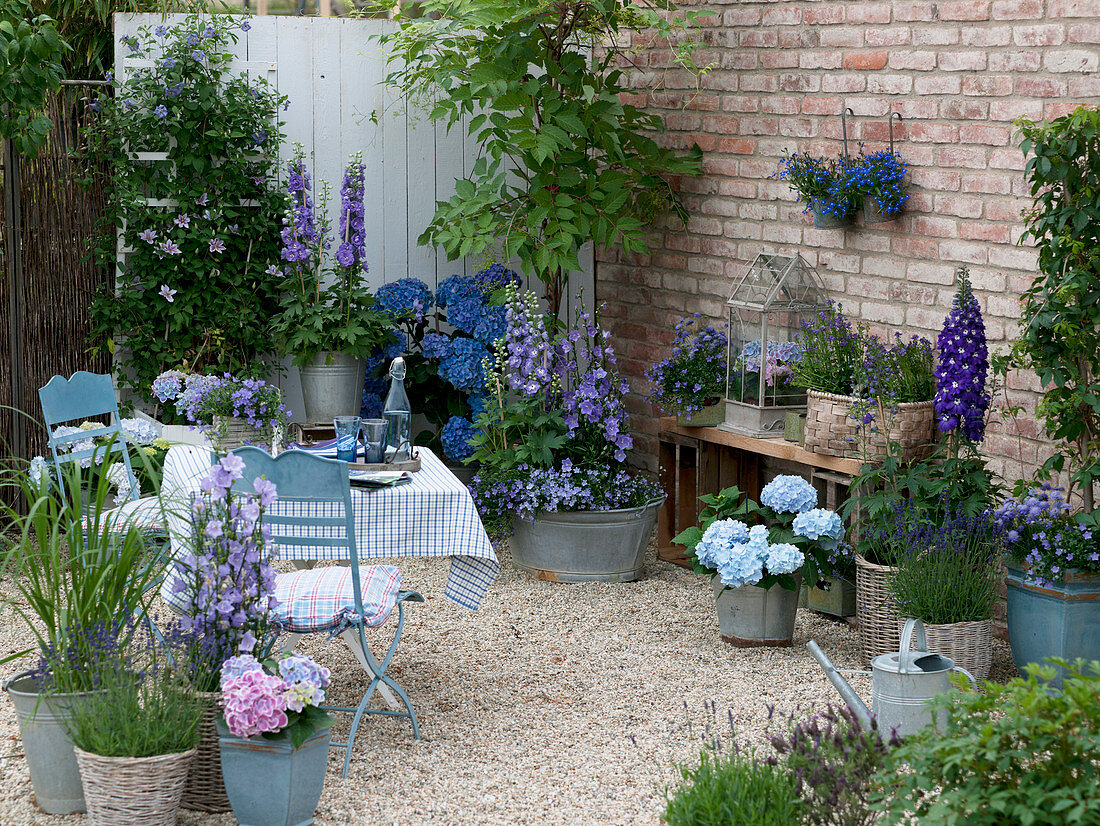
(831, 429)
(133, 791)
(879, 632)
(969, 644)
(229, 433)
(205, 789)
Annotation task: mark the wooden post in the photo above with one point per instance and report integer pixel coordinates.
(326, 7)
(13, 228)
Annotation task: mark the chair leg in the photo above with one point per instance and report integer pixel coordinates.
(290, 642)
(351, 637)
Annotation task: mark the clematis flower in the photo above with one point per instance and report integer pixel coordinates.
(167, 293)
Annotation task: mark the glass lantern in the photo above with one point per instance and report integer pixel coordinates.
(769, 300)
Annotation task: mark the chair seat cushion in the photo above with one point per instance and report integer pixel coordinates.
(323, 599)
(146, 514)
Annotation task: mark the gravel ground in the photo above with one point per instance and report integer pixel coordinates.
(553, 704)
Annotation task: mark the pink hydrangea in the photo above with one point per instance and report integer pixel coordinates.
(254, 702)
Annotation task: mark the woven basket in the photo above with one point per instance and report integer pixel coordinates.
(205, 789)
(229, 433)
(878, 618)
(969, 644)
(831, 429)
(133, 791)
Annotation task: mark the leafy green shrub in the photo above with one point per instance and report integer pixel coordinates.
(1021, 753)
(734, 789)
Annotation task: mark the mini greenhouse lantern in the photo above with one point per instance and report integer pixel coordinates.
(770, 298)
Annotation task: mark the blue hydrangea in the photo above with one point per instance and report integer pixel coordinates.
(467, 299)
(463, 367)
(407, 299)
(236, 666)
(299, 669)
(823, 525)
(456, 435)
(784, 558)
(788, 494)
(477, 405)
(717, 540)
(375, 386)
(435, 346)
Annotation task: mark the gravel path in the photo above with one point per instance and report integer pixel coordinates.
(553, 704)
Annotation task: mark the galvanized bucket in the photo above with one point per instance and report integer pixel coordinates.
(55, 776)
(752, 617)
(584, 546)
(332, 385)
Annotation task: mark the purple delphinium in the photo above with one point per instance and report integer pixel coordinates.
(304, 235)
(223, 581)
(694, 373)
(352, 252)
(961, 399)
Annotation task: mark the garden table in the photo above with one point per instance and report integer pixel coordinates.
(431, 516)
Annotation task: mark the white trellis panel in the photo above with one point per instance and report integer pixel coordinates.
(331, 71)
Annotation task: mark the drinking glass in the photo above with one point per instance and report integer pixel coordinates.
(374, 440)
(347, 437)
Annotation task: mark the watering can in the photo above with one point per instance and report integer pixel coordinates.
(902, 684)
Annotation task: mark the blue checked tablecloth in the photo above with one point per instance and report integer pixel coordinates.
(431, 516)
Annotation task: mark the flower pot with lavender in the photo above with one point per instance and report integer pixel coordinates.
(135, 735)
(448, 337)
(1053, 579)
(552, 443)
(72, 577)
(329, 331)
(758, 555)
(274, 738)
(947, 576)
(863, 394)
(690, 383)
(824, 185)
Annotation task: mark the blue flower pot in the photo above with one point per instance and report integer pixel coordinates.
(1060, 620)
(271, 783)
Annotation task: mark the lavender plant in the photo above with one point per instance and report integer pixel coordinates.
(745, 543)
(198, 285)
(316, 317)
(1041, 532)
(224, 583)
(693, 376)
(835, 765)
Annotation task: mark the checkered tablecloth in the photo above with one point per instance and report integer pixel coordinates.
(431, 516)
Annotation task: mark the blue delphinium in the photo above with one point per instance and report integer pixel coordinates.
(405, 299)
(788, 494)
(456, 435)
(962, 398)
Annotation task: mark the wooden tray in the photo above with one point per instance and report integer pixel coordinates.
(411, 465)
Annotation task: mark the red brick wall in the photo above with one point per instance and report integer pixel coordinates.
(958, 71)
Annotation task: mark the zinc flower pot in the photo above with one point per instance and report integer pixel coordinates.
(1059, 619)
(55, 776)
(873, 214)
(837, 598)
(271, 783)
(753, 617)
(826, 220)
(332, 385)
(584, 546)
(133, 791)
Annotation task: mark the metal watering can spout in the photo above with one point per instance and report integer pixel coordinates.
(851, 699)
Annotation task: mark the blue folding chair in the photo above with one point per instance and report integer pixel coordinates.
(84, 396)
(313, 517)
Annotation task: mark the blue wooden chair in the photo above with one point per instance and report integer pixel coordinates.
(84, 396)
(313, 518)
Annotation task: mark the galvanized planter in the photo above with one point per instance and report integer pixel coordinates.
(584, 546)
(824, 220)
(271, 783)
(837, 599)
(55, 776)
(1061, 620)
(711, 415)
(332, 385)
(752, 617)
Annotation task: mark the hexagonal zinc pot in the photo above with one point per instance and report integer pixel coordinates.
(584, 546)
